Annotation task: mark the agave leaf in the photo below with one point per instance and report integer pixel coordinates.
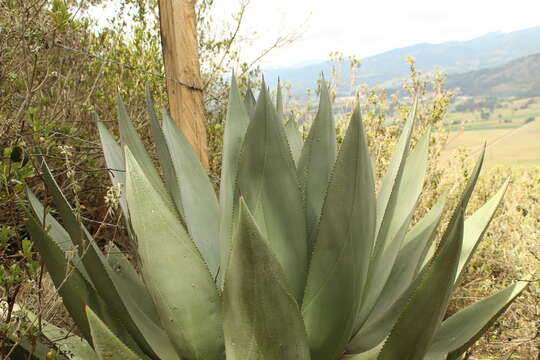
(377, 327)
(33, 349)
(344, 238)
(466, 195)
(474, 177)
(294, 138)
(114, 158)
(392, 177)
(132, 281)
(399, 211)
(71, 223)
(74, 289)
(460, 331)
(124, 307)
(279, 103)
(317, 159)
(140, 304)
(59, 235)
(67, 342)
(201, 209)
(416, 327)
(147, 322)
(106, 344)
(475, 227)
(261, 317)
(236, 124)
(130, 138)
(165, 156)
(421, 238)
(395, 293)
(267, 181)
(188, 305)
(135, 293)
(56, 232)
(132, 287)
(367, 355)
(249, 100)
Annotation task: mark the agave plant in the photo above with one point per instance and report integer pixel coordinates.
(299, 259)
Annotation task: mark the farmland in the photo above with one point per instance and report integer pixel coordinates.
(511, 131)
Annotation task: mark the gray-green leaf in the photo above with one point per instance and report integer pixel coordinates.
(317, 159)
(236, 124)
(188, 305)
(106, 344)
(114, 158)
(399, 211)
(393, 298)
(262, 320)
(475, 227)
(267, 181)
(460, 331)
(294, 138)
(199, 201)
(344, 238)
(164, 155)
(416, 327)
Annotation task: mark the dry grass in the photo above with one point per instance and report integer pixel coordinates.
(508, 252)
(512, 147)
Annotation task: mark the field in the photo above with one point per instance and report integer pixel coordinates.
(515, 142)
(477, 114)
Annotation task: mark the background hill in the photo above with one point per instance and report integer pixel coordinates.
(520, 77)
(452, 57)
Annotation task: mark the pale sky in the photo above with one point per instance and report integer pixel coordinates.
(366, 28)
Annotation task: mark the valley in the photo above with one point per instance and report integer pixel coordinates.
(511, 130)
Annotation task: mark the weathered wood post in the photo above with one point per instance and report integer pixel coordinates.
(181, 59)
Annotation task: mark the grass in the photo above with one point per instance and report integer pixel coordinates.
(505, 146)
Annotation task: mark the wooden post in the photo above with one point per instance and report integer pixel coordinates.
(181, 59)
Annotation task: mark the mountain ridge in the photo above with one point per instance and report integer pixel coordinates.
(519, 77)
(389, 68)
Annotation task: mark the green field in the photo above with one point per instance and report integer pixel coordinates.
(509, 113)
(513, 143)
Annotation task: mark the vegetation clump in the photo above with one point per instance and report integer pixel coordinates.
(300, 258)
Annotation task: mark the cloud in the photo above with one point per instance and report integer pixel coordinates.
(366, 28)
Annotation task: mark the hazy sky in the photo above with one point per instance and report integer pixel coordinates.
(366, 28)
